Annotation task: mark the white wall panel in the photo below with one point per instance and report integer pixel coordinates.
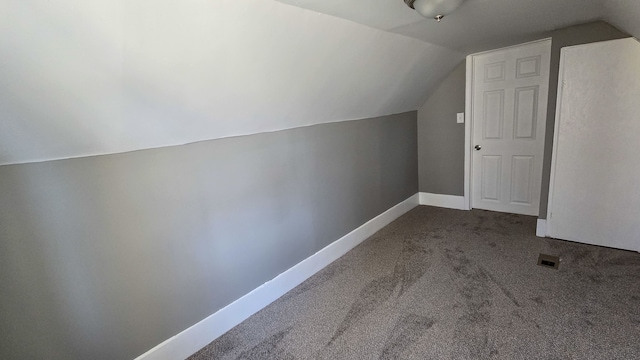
(595, 181)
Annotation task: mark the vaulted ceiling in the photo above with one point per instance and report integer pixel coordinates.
(81, 78)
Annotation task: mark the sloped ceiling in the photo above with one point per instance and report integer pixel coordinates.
(481, 24)
(103, 76)
(82, 78)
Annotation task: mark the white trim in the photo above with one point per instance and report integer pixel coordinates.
(468, 107)
(445, 201)
(468, 127)
(541, 228)
(197, 336)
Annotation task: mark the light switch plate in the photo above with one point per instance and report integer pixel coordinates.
(460, 118)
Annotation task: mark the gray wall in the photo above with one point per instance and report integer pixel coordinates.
(441, 140)
(105, 257)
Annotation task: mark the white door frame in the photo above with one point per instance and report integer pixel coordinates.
(468, 124)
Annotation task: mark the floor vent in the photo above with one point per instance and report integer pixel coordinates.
(549, 261)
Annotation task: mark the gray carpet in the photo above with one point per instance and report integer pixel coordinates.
(449, 284)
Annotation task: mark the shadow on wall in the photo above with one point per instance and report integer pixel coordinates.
(105, 257)
(441, 138)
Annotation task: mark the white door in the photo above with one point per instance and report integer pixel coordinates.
(594, 195)
(509, 108)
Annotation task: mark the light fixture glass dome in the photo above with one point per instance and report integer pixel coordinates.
(435, 9)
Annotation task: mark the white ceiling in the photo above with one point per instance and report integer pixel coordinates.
(481, 24)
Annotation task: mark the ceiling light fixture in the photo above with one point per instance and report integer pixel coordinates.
(435, 9)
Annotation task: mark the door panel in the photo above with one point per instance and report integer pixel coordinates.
(491, 175)
(526, 113)
(509, 105)
(493, 114)
(494, 72)
(522, 174)
(529, 66)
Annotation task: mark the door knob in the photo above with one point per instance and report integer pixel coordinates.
(477, 147)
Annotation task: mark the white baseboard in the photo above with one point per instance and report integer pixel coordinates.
(541, 228)
(445, 201)
(197, 336)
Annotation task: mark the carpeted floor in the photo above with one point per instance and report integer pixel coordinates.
(449, 284)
